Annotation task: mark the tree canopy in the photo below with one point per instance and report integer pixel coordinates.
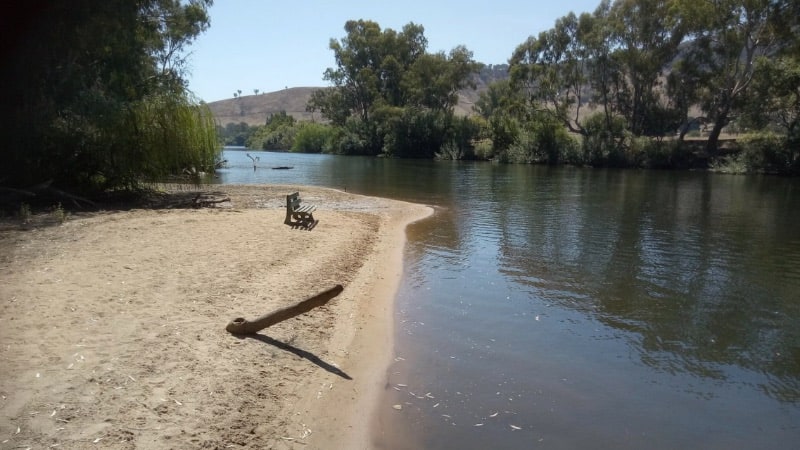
(390, 95)
(642, 68)
(94, 95)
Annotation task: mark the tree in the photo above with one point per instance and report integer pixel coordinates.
(383, 80)
(728, 38)
(646, 36)
(278, 133)
(550, 70)
(619, 53)
(80, 78)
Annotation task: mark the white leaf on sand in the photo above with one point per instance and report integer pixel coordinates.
(514, 427)
(401, 385)
(18, 430)
(494, 415)
(478, 425)
(178, 403)
(435, 405)
(398, 407)
(97, 440)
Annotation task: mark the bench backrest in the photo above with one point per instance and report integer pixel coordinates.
(293, 201)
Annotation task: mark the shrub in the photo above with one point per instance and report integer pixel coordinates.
(543, 142)
(313, 138)
(770, 153)
(484, 149)
(604, 143)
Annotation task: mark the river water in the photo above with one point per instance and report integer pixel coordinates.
(580, 308)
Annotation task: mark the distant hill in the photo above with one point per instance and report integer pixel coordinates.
(254, 109)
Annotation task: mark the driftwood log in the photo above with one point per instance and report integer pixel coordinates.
(240, 325)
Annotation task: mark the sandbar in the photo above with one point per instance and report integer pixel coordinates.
(112, 324)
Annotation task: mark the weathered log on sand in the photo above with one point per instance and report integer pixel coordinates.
(240, 325)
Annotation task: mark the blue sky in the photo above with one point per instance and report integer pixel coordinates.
(268, 45)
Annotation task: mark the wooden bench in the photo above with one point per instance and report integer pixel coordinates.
(298, 214)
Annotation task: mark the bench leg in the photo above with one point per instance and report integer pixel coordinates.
(301, 219)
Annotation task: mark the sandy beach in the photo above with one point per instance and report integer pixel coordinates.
(112, 324)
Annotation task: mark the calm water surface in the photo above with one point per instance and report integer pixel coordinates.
(579, 308)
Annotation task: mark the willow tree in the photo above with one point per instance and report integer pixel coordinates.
(85, 82)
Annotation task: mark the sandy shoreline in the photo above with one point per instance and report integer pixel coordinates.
(112, 325)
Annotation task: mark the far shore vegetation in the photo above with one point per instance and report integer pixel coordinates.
(95, 101)
(644, 84)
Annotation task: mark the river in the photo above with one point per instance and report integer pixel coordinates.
(581, 308)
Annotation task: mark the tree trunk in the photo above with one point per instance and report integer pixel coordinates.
(713, 137)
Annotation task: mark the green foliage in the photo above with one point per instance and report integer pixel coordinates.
(777, 84)
(643, 65)
(604, 142)
(505, 129)
(235, 134)
(770, 153)
(82, 77)
(347, 140)
(415, 133)
(731, 164)
(158, 123)
(728, 38)
(313, 138)
(278, 133)
(389, 95)
(660, 154)
(484, 149)
(544, 141)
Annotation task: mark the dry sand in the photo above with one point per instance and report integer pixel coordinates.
(112, 325)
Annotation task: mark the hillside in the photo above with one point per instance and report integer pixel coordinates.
(254, 109)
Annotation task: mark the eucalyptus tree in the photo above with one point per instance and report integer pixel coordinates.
(386, 84)
(501, 106)
(550, 72)
(646, 36)
(729, 38)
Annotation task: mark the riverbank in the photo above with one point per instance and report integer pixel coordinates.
(112, 325)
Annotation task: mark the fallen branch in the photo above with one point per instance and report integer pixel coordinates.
(240, 325)
(45, 188)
